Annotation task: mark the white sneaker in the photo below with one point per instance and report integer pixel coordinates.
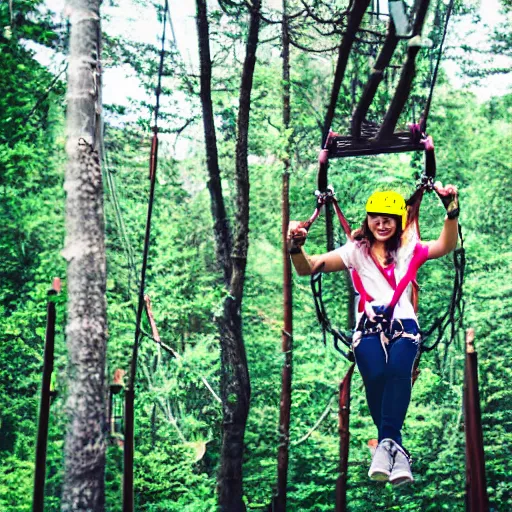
(382, 462)
(401, 473)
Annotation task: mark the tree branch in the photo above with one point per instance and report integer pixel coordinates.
(330, 21)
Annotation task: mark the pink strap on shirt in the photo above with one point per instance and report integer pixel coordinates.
(420, 256)
(358, 285)
(388, 272)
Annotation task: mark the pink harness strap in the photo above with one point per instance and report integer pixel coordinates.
(388, 272)
(358, 285)
(420, 256)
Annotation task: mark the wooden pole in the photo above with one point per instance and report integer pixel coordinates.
(476, 498)
(44, 406)
(128, 498)
(344, 422)
(129, 414)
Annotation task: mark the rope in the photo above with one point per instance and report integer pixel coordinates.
(180, 61)
(161, 66)
(120, 224)
(323, 319)
(42, 97)
(322, 417)
(323, 199)
(454, 317)
(177, 356)
(426, 111)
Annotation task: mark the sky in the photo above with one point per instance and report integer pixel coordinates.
(142, 25)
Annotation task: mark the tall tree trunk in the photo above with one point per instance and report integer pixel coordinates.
(235, 385)
(223, 237)
(86, 273)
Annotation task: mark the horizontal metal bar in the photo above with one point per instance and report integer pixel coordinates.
(340, 147)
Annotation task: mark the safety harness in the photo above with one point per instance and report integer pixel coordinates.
(378, 319)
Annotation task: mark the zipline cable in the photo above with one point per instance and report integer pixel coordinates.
(121, 226)
(179, 61)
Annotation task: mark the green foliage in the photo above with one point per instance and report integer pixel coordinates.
(178, 418)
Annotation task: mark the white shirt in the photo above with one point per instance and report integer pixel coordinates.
(356, 257)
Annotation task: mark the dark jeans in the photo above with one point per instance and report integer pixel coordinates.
(388, 383)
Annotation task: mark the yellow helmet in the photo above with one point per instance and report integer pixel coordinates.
(388, 202)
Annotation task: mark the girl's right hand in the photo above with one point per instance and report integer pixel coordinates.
(449, 196)
(297, 235)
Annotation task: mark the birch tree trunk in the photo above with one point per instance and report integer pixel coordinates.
(86, 271)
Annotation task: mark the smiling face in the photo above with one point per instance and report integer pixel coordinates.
(382, 227)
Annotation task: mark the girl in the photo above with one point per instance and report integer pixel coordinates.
(383, 259)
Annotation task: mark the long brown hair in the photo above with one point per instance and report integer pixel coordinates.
(365, 237)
